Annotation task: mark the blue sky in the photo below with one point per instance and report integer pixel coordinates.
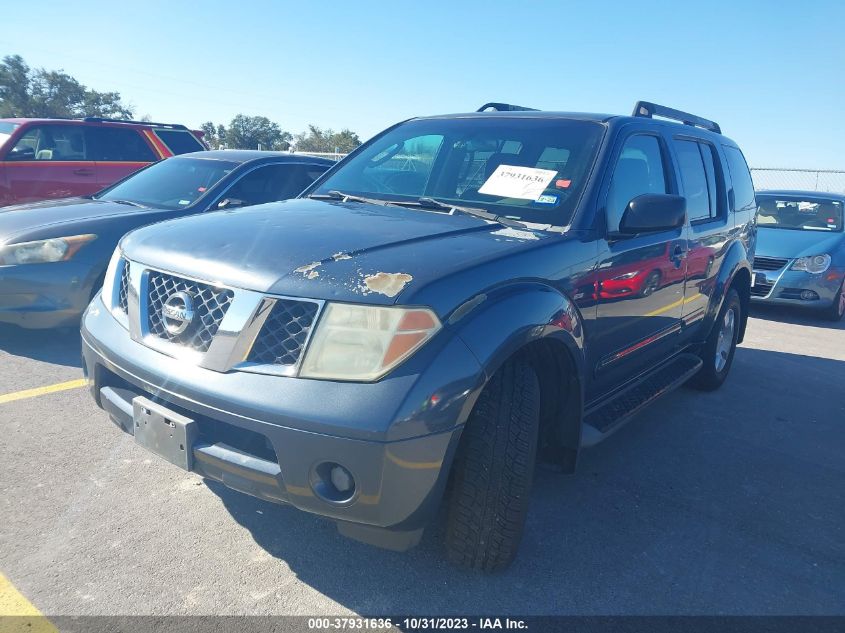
(772, 74)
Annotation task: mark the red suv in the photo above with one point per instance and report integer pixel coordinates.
(60, 158)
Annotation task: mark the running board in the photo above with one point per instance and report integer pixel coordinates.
(600, 422)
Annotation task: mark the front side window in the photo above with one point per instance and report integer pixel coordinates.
(175, 183)
(800, 214)
(527, 169)
(6, 131)
(639, 170)
(51, 143)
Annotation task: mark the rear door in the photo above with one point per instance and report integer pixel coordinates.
(639, 279)
(50, 160)
(118, 152)
(702, 183)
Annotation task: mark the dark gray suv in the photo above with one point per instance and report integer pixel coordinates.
(460, 297)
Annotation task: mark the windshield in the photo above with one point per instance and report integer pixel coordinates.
(174, 183)
(797, 213)
(527, 169)
(6, 131)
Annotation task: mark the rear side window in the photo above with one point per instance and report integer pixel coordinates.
(179, 141)
(51, 143)
(110, 144)
(638, 170)
(699, 177)
(741, 178)
(273, 182)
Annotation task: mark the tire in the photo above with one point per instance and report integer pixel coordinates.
(650, 284)
(713, 372)
(836, 311)
(493, 471)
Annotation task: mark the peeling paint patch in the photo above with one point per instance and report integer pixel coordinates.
(516, 234)
(339, 256)
(308, 270)
(388, 284)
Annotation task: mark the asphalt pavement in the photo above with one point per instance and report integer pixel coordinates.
(730, 502)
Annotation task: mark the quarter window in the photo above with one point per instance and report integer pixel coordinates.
(179, 141)
(741, 179)
(639, 170)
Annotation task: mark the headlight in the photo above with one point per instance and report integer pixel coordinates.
(812, 264)
(57, 249)
(355, 342)
(630, 275)
(109, 279)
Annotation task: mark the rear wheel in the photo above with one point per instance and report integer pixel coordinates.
(836, 311)
(719, 348)
(493, 471)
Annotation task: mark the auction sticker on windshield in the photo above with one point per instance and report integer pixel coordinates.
(510, 181)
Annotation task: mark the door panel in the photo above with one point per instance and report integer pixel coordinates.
(639, 280)
(50, 161)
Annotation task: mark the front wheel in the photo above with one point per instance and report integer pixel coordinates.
(493, 471)
(719, 348)
(836, 311)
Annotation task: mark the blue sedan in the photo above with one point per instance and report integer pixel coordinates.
(800, 257)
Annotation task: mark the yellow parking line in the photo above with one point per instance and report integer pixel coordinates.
(675, 304)
(19, 614)
(40, 391)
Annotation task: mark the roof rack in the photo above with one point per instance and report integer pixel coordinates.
(504, 107)
(649, 110)
(99, 119)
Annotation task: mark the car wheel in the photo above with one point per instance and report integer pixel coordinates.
(651, 283)
(837, 310)
(719, 348)
(493, 471)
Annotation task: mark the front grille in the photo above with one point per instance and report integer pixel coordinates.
(769, 263)
(284, 333)
(761, 289)
(123, 293)
(210, 306)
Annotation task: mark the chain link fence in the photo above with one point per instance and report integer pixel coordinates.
(829, 180)
(329, 155)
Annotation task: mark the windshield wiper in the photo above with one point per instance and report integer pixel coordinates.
(434, 203)
(129, 202)
(348, 197)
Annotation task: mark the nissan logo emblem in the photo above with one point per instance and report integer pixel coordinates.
(177, 313)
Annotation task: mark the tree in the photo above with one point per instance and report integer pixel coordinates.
(214, 135)
(25, 92)
(317, 140)
(250, 132)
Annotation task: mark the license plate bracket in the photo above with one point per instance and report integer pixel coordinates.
(162, 431)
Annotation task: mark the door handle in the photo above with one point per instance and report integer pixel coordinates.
(83, 172)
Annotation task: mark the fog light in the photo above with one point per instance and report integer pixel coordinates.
(809, 295)
(333, 483)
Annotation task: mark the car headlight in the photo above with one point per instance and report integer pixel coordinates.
(56, 249)
(629, 275)
(357, 342)
(109, 279)
(812, 264)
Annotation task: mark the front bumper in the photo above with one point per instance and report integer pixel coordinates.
(784, 287)
(41, 296)
(268, 435)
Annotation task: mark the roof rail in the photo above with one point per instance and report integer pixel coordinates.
(649, 110)
(504, 107)
(99, 119)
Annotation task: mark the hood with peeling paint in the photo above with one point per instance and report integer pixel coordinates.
(331, 250)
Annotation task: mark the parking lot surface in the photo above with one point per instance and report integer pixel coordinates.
(722, 503)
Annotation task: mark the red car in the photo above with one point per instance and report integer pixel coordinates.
(61, 158)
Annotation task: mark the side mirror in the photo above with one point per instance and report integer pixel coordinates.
(231, 203)
(652, 212)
